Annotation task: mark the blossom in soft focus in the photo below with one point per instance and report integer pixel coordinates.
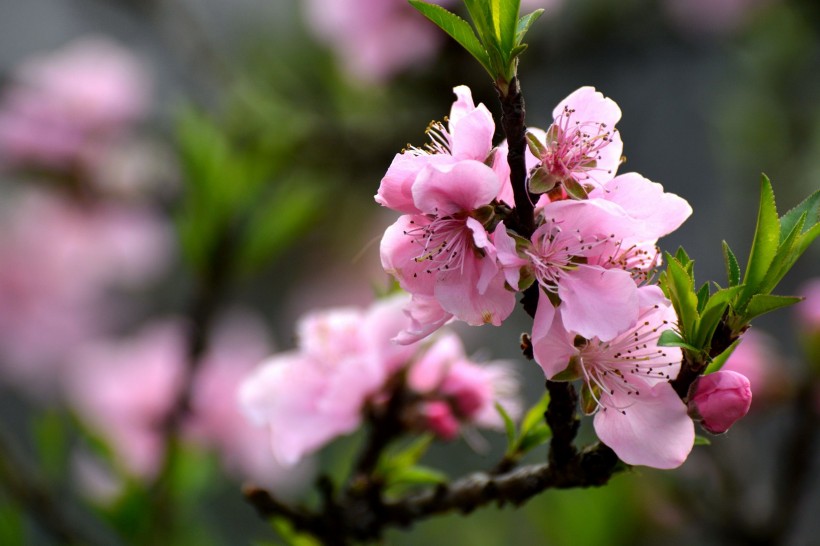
(720, 399)
(215, 419)
(457, 391)
(374, 39)
(808, 311)
(309, 396)
(626, 383)
(60, 260)
(346, 364)
(124, 391)
(712, 16)
(62, 109)
(756, 358)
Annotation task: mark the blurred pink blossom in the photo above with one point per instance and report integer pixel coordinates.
(374, 39)
(59, 261)
(124, 391)
(443, 373)
(756, 358)
(711, 16)
(63, 108)
(346, 361)
(808, 311)
(216, 420)
(720, 399)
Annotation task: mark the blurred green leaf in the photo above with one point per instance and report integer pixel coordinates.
(509, 426)
(292, 537)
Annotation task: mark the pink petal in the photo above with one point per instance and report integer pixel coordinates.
(657, 213)
(447, 189)
(653, 431)
(597, 302)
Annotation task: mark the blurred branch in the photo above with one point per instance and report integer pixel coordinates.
(22, 481)
(353, 520)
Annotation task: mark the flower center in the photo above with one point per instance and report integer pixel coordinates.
(443, 242)
(556, 251)
(573, 147)
(609, 367)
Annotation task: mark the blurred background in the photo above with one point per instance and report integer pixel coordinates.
(182, 179)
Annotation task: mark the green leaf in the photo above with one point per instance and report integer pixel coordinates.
(505, 13)
(712, 314)
(764, 245)
(784, 259)
(702, 440)
(720, 360)
(764, 303)
(509, 426)
(534, 437)
(732, 267)
(524, 25)
(458, 29)
(416, 475)
(290, 535)
(535, 414)
(681, 290)
(810, 206)
(703, 296)
(276, 223)
(670, 338)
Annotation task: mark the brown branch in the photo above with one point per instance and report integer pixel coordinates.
(591, 468)
(513, 115)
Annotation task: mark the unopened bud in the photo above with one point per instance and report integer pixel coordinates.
(720, 399)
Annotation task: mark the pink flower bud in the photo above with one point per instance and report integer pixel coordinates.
(720, 399)
(440, 419)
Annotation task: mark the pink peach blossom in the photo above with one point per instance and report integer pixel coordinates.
(626, 383)
(444, 252)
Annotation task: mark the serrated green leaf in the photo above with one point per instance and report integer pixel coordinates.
(535, 414)
(806, 238)
(682, 256)
(720, 360)
(703, 296)
(458, 29)
(670, 338)
(534, 437)
(481, 15)
(732, 267)
(524, 25)
(712, 314)
(505, 13)
(509, 425)
(764, 303)
(764, 245)
(702, 440)
(810, 206)
(784, 259)
(681, 288)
